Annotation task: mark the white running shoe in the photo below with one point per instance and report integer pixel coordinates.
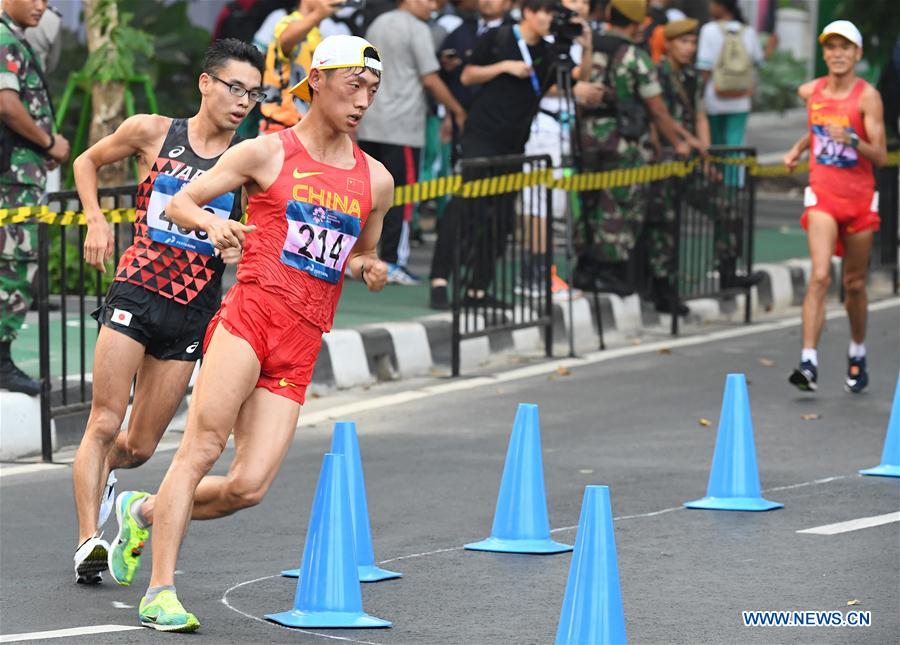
(90, 561)
(107, 500)
(401, 275)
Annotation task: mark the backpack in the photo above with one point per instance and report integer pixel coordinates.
(733, 72)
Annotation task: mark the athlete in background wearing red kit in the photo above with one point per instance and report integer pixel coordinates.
(846, 133)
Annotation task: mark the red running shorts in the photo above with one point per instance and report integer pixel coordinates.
(286, 345)
(852, 216)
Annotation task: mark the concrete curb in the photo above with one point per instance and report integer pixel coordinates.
(400, 350)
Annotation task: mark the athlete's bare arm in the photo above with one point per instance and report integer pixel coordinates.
(792, 157)
(254, 164)
(875, 149)
(140, 135)
(805, 91)
(364, 257)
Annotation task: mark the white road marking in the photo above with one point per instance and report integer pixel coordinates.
(224, 599)
(270, 623)
(121, 605)
(8, 469)
(65, 633)
(814, 482)
(853, 525)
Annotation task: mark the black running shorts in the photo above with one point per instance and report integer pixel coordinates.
(167, 329)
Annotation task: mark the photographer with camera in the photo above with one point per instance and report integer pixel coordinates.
(617, 135)
(288, 59)
(498, 124)
(552, 127)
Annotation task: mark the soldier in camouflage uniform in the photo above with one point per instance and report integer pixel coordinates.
(28, 148)
(683, 95)
(617, 136)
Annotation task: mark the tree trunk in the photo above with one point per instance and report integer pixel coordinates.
(107, 99)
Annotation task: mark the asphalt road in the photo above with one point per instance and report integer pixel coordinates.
(433, 468)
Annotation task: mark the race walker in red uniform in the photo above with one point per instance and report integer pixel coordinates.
(846, 139)
(316, 208)
(166, 288)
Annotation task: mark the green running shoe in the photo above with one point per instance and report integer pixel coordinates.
(125, 554)
(166, 614)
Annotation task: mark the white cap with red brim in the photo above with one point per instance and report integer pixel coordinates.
(843, 28)
(336, 52)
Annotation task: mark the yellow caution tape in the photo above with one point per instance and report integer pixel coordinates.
(43, 215)
(484, 187)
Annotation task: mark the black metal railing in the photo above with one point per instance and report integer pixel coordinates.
(75, 290)
(500, 278)
(715, 215)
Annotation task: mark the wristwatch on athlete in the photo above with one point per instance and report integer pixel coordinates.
(854, 140)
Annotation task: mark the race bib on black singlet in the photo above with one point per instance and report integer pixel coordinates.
(165, 231)
(829, 152)
(319, 240)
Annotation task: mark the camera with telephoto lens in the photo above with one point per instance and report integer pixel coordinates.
(563, 29)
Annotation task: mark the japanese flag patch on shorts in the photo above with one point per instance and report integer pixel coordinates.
(121, 317)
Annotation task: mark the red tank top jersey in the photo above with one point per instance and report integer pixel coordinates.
(306, 225)
(175, 263)
(834, 168)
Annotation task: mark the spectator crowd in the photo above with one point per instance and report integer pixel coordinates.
(462, 79)
(478, 78)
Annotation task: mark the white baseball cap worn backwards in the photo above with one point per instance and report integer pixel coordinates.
(339, 52)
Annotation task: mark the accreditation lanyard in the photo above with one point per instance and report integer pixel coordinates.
(526, 56)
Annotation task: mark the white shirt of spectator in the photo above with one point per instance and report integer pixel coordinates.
(397, 116)
(710, 44)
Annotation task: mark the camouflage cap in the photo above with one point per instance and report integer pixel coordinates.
(678, 28)
(634, 10)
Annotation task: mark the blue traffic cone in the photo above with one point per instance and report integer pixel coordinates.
(344, 442)
(592, 607)
(890, 456)
(328, 592)
(734, 478)
(520, 520)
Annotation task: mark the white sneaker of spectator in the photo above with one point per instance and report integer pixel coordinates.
(401, 275)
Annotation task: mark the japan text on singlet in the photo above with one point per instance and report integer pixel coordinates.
(838, 169)
(306, 225)
(172, 261)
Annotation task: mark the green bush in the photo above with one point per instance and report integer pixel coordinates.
(173, 68)
(779, 78)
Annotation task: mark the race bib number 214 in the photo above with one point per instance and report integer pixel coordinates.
(319, 240)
